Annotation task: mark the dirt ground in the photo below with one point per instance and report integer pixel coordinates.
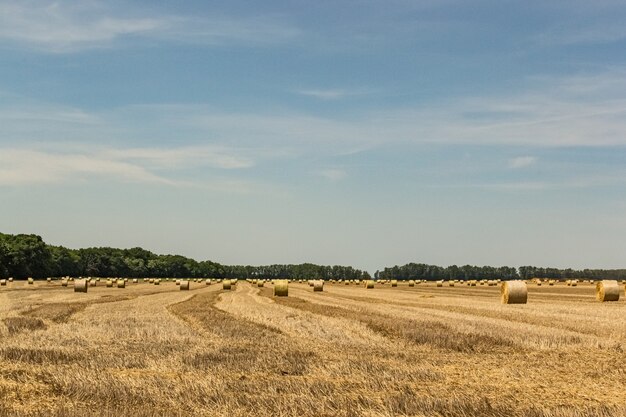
(149, 350)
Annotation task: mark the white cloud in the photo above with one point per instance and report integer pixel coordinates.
(333, 174)
(64, 26)
(148, 165)
(522, 162)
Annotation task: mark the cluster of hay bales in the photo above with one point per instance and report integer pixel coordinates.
(514, 292)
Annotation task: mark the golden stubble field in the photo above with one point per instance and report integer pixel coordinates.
(151, 350)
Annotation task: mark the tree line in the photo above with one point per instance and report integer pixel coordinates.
(469, 272)
(23, 256)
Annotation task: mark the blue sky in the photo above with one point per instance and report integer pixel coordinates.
(367, 133)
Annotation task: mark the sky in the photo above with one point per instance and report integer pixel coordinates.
(363, 133)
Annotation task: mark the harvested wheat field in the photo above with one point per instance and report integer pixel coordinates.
(148, 350)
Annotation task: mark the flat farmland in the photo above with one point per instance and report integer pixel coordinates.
(149, 350)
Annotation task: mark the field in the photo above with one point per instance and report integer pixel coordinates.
(150, 350)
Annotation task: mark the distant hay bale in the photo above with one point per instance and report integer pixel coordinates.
(184, 285)
(281, 288)
(31, 281)
(411, 283)
(207, 282)
(135, 281)
(369, 284)
(551, 282)
(3, 282)
(178, 282)
(492, 283)
(121, 283)
(394, 282)
(318, 285)
(514, 292)
(574, 282)
(49, 280)
(226, 284)
(109, 283)
(64, 282)
(450, 283)
(347, 282)
(311, 283)
(10, 279)
(607, 290)
(92, 283)
(440, 283)
(260, 283)
(80, 285)
(157, 282)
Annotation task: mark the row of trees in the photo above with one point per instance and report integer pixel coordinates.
(23, 256)
(468, 272)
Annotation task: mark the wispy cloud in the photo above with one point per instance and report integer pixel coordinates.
(64, 26)
(148, 165)
(522, 162)
(333, 174)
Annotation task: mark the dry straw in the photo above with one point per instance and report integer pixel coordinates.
(281, 288)
(318, 285)
(80, 285)
(607, 290)
(514, 292)
(184, 285)
(207, 282)
(157, 282)
(369, 284)
(411, 283)
(394, 282)
(109, 283)
(226, 284)
(440, 283)
(260, 283)
(121, 283)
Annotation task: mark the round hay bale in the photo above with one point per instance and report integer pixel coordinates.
(10, 279)
(121, 283)
(440, 283)
(394, 282)
(178, 282)
(226, 284)
(260, 283)
(411, 283)
(318, 285)
(184, 285)
(151, 280)
(31, 281)
(135, 281)
(207, 282)
(514, 292)
(607, 290)
(369, 284)
(3, 282)
(49, 280)
(311, 283)
(64, 282)
(109, 283)
(450, 283)
(92, 283)
(80, 285)
(157, 282)
(347, 282)
(574, 282)
(281, 288)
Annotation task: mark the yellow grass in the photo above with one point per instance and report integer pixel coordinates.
(347, 351)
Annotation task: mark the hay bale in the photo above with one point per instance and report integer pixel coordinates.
(394, 282)
(109, 283)
(49, 280)
(411, 283)
(440, 283)
(178, 282)
(311, 283)
(31, 281)
(318, 285)
(450, 283)
(281, 288)
(92, 283)
(10, 279)
(184, 285)
(347, 282)
(3, 282)
(369, 284)
(607, 290)
(135, 281)
(121, 283)
(226, 284)
(64, 282)
(80, 285)
(157, 282)
(514, 292)
(574, 282)
(260, 283)
(207, 282)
